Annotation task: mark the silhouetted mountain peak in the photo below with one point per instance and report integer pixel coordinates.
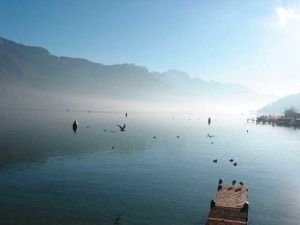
(22, 49)
(35, 68)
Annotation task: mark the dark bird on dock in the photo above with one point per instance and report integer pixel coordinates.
(242, 183)
(75, 126)
(235, 164)
(122, 128)
(177, 136)
(219, 187)
(215, 160)
(154, 137)
(247, 131)
(209, 120)
(126, 114)
(233, 182)
(220, 181)
(231, 160)
(113, 147)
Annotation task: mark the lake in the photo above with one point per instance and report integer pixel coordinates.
(51, 175)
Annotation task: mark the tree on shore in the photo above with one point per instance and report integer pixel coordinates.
(291, 113)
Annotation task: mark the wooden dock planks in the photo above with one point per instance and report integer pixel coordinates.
(230, 206)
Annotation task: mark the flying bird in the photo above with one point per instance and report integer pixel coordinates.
(122, 128)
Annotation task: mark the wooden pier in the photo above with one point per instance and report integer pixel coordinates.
(230, 206)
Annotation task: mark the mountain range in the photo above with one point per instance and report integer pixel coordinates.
(281, 104)
(31, 77)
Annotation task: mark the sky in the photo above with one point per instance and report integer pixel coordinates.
(252, 42)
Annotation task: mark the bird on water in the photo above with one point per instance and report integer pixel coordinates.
(75, 126)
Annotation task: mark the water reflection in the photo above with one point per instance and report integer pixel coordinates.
(51, 176)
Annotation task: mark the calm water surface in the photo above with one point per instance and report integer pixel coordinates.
(49, 175)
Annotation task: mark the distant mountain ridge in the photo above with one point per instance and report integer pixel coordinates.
(281, 104)
(30, 70)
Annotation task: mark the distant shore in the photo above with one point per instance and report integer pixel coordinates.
(278, 120)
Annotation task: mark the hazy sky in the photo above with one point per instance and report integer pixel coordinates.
(256, 43)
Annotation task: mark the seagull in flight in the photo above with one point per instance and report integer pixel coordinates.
(122, 128)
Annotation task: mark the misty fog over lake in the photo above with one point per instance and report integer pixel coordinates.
(51, 175)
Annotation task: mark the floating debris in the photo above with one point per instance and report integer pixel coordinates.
(117, 220)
